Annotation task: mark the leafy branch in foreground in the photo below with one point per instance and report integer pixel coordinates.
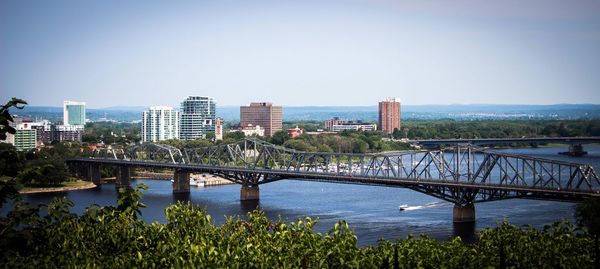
(6, 118)
(8, 185)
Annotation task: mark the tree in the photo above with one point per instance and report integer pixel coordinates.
(279, 137)
(237, 135)
(11, 161)
(299, 145)
(6, 118)
(8, 185)
(587, 214)
(210, 136)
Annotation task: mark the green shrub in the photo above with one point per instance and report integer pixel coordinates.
(115, 237)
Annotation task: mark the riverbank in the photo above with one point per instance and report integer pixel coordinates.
(68, 186)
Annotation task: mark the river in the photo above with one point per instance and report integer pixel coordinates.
(371, 211)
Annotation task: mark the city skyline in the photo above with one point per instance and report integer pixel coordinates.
(326, 53)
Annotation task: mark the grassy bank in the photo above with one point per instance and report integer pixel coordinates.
(64, 186)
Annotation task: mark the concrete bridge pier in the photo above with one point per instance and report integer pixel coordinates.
(249, 193)
(181, 181)
(575, 150)
(123, 176)
(94, 174)
(464, 213)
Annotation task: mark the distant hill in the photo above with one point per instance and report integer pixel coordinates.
(365, 113)
(123, 108)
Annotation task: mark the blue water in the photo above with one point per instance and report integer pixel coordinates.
(370, 210)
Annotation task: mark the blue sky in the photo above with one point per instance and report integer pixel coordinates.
(293, 53)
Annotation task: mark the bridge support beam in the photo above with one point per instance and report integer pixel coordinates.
(181, 181)
(123, 176)
(94, 174)
(464, 213)
(248, 193)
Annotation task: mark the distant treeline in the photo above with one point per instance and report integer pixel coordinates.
(361, 142)
(445, 129)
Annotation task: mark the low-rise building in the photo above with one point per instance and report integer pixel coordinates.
(66, 133)
(354, 126)
(336, 124)
(295, 132)
(251, 130)
(331, 122)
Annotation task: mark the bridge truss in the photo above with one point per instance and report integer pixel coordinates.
(463, 174)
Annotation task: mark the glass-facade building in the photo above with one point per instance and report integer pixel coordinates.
(160, 123)
(197, 117)
(73, 113)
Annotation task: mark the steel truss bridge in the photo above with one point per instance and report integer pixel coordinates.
(462, 174)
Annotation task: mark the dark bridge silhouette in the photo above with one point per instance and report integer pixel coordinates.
(462, 174)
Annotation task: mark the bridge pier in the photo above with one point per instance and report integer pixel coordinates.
(123, 176)
(93, 173)
(181, 181)
(575, 150)
(248, 193)
(463, 213)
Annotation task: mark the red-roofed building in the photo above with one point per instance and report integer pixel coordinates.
(295, 132)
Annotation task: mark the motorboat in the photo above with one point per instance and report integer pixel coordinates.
(403, 207)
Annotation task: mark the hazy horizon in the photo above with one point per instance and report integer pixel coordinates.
(330, 106)
(309, 53)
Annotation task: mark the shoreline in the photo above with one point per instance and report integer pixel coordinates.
(87, 186)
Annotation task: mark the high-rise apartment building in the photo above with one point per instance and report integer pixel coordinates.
(197, 117)
(73, 113)
(26, 136)
(160, 123)
(266, 115)
(389, 115)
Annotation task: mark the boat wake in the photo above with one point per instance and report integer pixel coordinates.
(428, 205)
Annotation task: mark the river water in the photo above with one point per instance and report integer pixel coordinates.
(371, 211)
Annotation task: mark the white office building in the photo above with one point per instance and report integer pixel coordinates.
(73, 113)
(198, 117)
(353, 127)
(160, 123)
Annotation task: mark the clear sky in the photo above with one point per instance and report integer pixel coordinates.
(293, 53)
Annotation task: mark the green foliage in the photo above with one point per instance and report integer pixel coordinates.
(181, 144)
(47, 167)
(6, 118)
(112, 132)
(237, 135)
(10, 159)
(306, 125)
(279, 137)
(588, 215)
(115, 237)
(44, 172)
(449, 129)
(344, 142)
(298, 144)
